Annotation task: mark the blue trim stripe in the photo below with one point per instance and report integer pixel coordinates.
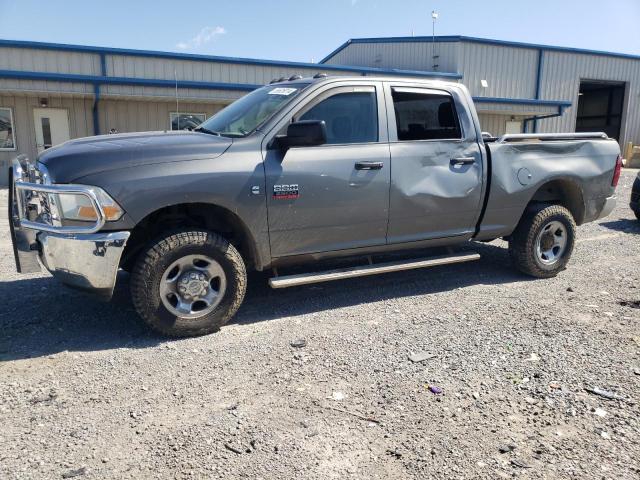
(102, 80)
(486, 41)
(219, 59)
(524, 101)
(245, 87)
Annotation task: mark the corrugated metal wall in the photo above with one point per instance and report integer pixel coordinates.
(22, 106)
(202, 71)
(514, 108)
(42, 60)
(561, 75)
(494, 124)
(406, 56)
(510, 72)
(128, 116)
(191, 94)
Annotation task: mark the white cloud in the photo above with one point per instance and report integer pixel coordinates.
(204, 36)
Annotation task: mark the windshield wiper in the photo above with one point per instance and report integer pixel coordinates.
(206, 130)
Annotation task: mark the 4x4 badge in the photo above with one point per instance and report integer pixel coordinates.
(286, 192)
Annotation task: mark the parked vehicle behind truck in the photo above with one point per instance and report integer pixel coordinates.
(298, 172)
(635, 197)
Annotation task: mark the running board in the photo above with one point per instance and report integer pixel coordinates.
(362, 271)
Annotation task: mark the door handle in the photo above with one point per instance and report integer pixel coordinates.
(462, 161)
(369, 165)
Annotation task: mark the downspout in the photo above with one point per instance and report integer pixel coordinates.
(538, 88)
(96, 95)
(541, 117)
(96, 117)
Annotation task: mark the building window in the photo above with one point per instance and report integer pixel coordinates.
(7, 132)
(186, 121)
(425, 116)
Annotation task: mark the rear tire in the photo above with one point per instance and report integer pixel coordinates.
(188, 283)
(543, 241)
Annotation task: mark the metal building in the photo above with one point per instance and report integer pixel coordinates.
(52, 92)
(520, 86)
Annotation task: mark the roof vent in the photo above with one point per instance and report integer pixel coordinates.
(320, 75)
(295, 77)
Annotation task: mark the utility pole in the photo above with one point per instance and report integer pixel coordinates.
(434, 17)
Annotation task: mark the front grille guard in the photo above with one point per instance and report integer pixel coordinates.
(31, 206)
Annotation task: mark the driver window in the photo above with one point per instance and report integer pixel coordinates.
(351, 117)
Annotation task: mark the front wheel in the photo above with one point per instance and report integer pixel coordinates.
(188, 283)
(543, 241)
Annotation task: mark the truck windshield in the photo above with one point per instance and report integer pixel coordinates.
(246, 114)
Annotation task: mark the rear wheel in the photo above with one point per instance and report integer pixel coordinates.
(188, 283)
(542, 244)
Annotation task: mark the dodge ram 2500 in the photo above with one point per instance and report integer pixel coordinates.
(298, 172)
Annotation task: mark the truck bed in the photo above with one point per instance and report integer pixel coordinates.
(526, 167)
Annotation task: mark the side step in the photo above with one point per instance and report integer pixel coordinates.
(362, 271)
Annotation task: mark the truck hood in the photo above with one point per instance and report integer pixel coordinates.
(86, 156)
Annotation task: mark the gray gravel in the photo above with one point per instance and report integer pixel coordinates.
(87, 392)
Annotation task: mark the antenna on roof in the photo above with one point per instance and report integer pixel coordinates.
(434, 17)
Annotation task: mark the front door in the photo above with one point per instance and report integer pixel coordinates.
(436, 179)
(333, 196)
(52, 127)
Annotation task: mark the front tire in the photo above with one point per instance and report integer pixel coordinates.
(543, 241)
(188, 283)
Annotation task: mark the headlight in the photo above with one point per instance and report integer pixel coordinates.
(79, 208)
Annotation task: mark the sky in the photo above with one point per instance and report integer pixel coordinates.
(309, 30)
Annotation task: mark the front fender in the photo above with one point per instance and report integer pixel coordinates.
(225, 182)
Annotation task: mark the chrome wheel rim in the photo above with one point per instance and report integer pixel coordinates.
(192, 286)
(551, 242)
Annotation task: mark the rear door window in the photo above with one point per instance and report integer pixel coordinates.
(425, 115)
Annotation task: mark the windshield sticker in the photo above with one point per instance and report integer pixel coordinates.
(282, 91)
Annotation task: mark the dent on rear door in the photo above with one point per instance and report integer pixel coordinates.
(431, 197)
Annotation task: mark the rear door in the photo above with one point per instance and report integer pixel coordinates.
(436, 175)
(333, 196)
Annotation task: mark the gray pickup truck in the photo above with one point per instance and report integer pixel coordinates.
(296, 173)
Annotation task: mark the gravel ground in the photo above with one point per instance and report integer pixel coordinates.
(87, 392)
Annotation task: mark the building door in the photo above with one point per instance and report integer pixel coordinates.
(513, 127)
(600, 106)
(52, 127)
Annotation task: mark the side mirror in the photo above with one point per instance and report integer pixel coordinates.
(305, 133)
